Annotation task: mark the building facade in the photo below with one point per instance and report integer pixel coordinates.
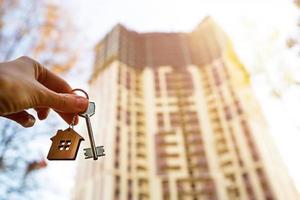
(178, 120)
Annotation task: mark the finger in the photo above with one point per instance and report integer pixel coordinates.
(69, 118)
(23, 118)
(62, 104)
(42, 113)
(65, 103)
(51, 80)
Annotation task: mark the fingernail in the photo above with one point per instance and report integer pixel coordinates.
(82, 103)
(30, 122)
(43, 115)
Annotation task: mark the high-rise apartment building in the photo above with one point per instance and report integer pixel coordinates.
(179, 121)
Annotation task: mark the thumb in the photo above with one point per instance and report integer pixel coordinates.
(66, 103)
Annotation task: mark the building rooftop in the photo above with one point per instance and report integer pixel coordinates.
(152, 49)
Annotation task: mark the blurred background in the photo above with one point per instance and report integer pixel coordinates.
(62, 35)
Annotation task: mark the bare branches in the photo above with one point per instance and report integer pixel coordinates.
(43, 31)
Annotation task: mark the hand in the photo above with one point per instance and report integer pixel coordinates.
(25, 83)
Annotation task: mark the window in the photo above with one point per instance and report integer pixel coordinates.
(245, 128)
(160, 120)
(227, 76)
(119, 76)
(117, 188)
(228, 114)
(194, 138)
(157, 87)
(264, 183)
(188, 84)
(216, 77)
(238, 107)
(116, 164)
(64, 145)
(196, 149)
(128, 120)
(248, 185)
(230, 177)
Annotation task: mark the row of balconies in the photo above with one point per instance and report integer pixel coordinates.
(197, 192)
(165, 143)
(195, 185)
(166, 165)
(169, 151)
(203, 177)
(202, 174)
(179, 86)
(179, 78)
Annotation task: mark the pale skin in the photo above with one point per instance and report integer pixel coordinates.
(25, 84)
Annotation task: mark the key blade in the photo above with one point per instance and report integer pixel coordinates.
(91, 137)
(88, 153)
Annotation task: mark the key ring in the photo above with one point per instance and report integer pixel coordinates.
(73, 122)
(74, 117)
(81, 90)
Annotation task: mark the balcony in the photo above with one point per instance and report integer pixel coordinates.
(198, 163)
(222, 149)
(196, 150)
(194, 138)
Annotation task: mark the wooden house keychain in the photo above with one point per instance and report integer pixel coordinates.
(65, 144)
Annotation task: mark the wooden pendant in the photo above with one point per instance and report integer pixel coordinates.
(65, 145)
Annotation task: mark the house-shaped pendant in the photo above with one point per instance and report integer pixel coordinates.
(65, 145)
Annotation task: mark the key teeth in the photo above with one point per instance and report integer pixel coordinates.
(99, 151)
(87, 153)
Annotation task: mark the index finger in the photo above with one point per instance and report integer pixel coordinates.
(51, 80)
(56, 84)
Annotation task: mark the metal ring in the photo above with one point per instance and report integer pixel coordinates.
(73, 122)
(81, 90)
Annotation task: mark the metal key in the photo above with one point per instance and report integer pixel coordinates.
(93, 152)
